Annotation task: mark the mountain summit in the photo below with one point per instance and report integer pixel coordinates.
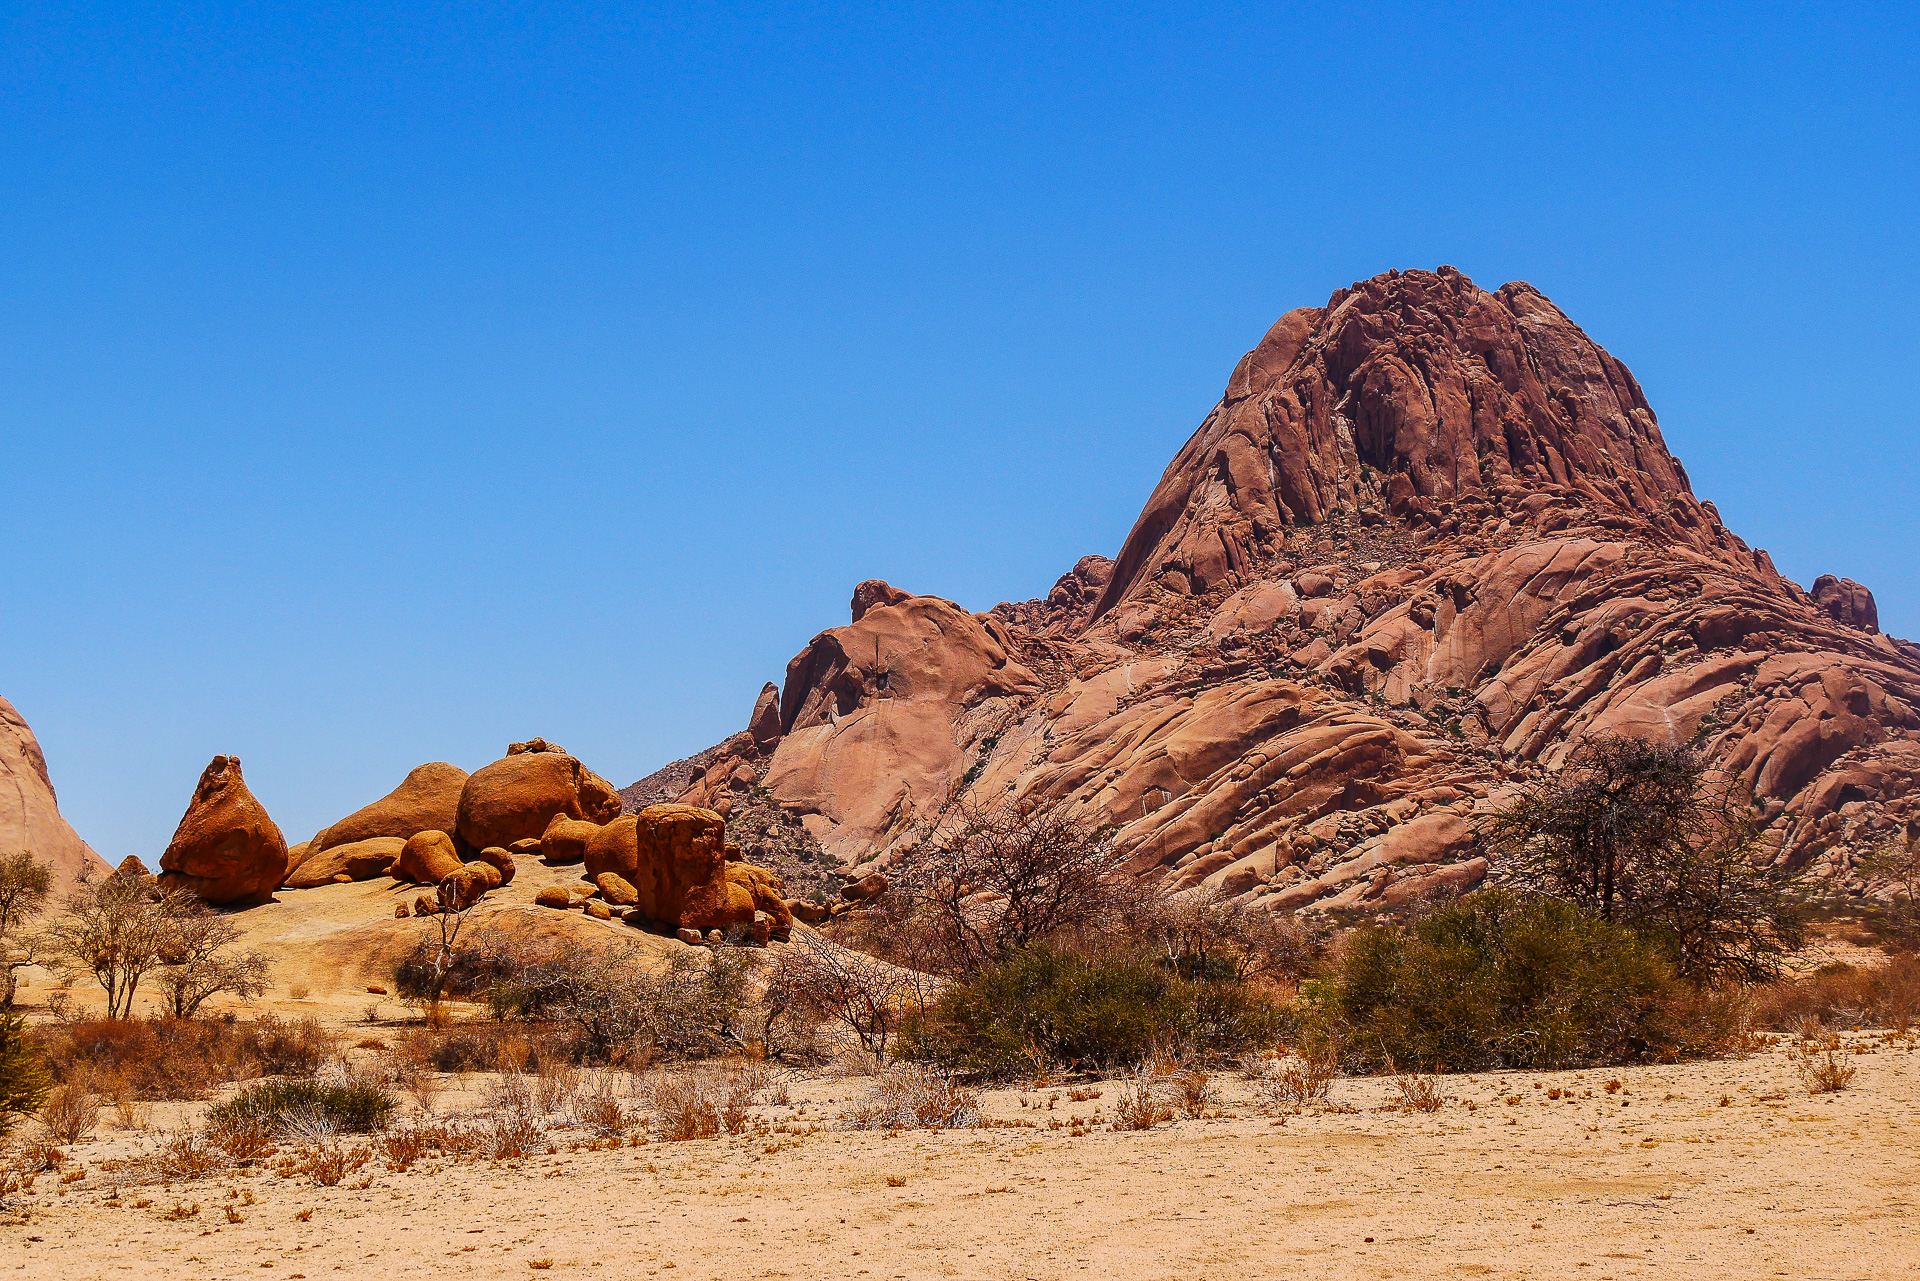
(1429, 539)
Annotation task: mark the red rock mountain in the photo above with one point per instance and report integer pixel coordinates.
(29, 813)
(1430, 537)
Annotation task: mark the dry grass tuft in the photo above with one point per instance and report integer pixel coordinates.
(1422, 1093)
(908, 1098)
(1821, 1066)
(1305, 1076)
(70, 1112)
(1140, 1106)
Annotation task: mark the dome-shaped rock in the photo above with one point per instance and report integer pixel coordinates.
(428, 799)
(516, 797)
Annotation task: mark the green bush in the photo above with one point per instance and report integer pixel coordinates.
(1043, 1003)
(275, 1105)
(1500, 979)
(23, 1077)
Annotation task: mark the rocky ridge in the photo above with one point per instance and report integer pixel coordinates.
(1430, 537)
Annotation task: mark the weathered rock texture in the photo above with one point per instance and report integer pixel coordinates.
(1429, 539)
(355, 861)
(226, 849)
(428, 799)
(516, 797)
(29, 812)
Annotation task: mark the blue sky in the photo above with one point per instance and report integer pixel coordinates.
(379, 384)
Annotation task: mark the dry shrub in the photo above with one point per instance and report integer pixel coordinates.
(509, 1092)
(1845, 997)
(511, 1134)
(40, 1155)
(1195, 1092)
(601, 1112)
(684, 1107)
(187, 1156)
(1141, 1105)
(242, 1138)
(1304, 1076)
(70, 1112)
(421, 1087)
(554, 1085)
(905, 1098)
(328, 1163)
(463, 1049)
(1821, 1062)
(1421, 1093)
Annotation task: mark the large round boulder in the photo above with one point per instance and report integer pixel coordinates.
(674, 856)
(427, 858)
(358, 861)
(428, 799)
(516, 797)
(226, 849)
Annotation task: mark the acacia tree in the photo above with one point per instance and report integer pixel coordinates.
(199, 962)
(1641, 834)
(24, 886)
(990, 881)
(866, 995)
(115, 931)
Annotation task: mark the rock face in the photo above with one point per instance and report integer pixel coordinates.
(428, 799)
(226, 849)
(30, 814)
(357, 861)
(516, 797)
(671, 859)
(1429, 539)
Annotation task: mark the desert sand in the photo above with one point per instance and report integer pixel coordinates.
(1658, 1178)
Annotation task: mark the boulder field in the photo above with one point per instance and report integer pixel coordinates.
(1429, 540)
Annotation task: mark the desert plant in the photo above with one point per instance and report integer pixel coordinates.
(23, 1075)
(1821, 1062)
(1304, 1075)
(1421, 1093)
(187, 1156)
(1500, 979)
(24, 886)
(114, 930)
(1640, 834)
(1194, 1091)
(70, 1112)
(1047, 1006)
(1202, 934)
(199, 961)
(863, 994)
(328, 1163)
(1142, 1102)
(992, 880)
(283, 1104)
(906, 1098)
(1845, 996)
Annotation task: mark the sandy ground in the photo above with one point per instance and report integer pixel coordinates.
(1659, 1178)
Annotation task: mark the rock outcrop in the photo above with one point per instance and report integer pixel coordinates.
(30, 816)
(427, 858)
(1429, 539)
(427, 799)
(516, 797)
(355, 861)
(226, 849)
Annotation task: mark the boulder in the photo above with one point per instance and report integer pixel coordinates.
(400, 909)
(615, 888)
(764, 724)
(554, 896)
(769, 897)
(803, 910)
(870, 886)
(467, 885)
(424, 906)
(427, 858)
(131, 866)
(357, 861)
(565, 839)
(674, 856)
(501, 861)
(1846, 602)
(226, 849)
(427, 799)
(691, 938)
(517, 797)
(599, 911)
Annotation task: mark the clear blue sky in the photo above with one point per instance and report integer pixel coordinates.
(381, 383)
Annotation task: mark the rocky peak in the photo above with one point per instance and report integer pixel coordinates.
(1404, 397)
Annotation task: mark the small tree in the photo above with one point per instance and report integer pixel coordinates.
(992, 881)
(1897, 865)
(1638, 834)
(23, 1077)
(199, 959)
(1202, 934)
(867, 996)
(115, 930)
(24, 885)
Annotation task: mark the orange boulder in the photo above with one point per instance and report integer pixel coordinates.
(357, 861)
(517, 797)
(226, 849)
(427, 858)
(426, 800)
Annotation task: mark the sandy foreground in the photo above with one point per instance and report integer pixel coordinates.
(1658, 1178)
